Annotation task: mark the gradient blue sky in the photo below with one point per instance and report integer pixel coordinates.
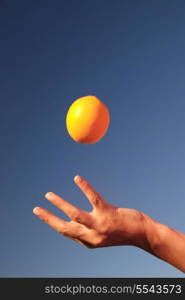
(131, 54)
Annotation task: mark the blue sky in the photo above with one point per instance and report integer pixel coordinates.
(128, 53)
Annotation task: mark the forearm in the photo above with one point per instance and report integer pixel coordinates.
(164, 242)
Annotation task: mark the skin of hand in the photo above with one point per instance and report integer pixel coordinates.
(108, 225)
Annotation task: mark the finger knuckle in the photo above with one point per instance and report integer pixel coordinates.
(84, 185)
(46, 219)
(55, 201)
(95, 199)
(62, 230)
(77, 217)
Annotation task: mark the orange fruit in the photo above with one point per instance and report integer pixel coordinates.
(87, 120)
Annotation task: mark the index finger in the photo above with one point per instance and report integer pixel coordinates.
(96, 200)
(70, 210)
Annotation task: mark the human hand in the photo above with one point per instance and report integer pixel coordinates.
(106, 225)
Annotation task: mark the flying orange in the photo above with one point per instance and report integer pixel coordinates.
(87, 120)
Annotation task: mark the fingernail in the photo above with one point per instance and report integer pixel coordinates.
(78, 179)
(36, 211)
(50, 196)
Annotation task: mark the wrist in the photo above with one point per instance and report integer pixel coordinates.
(153, 233)
(140, 228)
